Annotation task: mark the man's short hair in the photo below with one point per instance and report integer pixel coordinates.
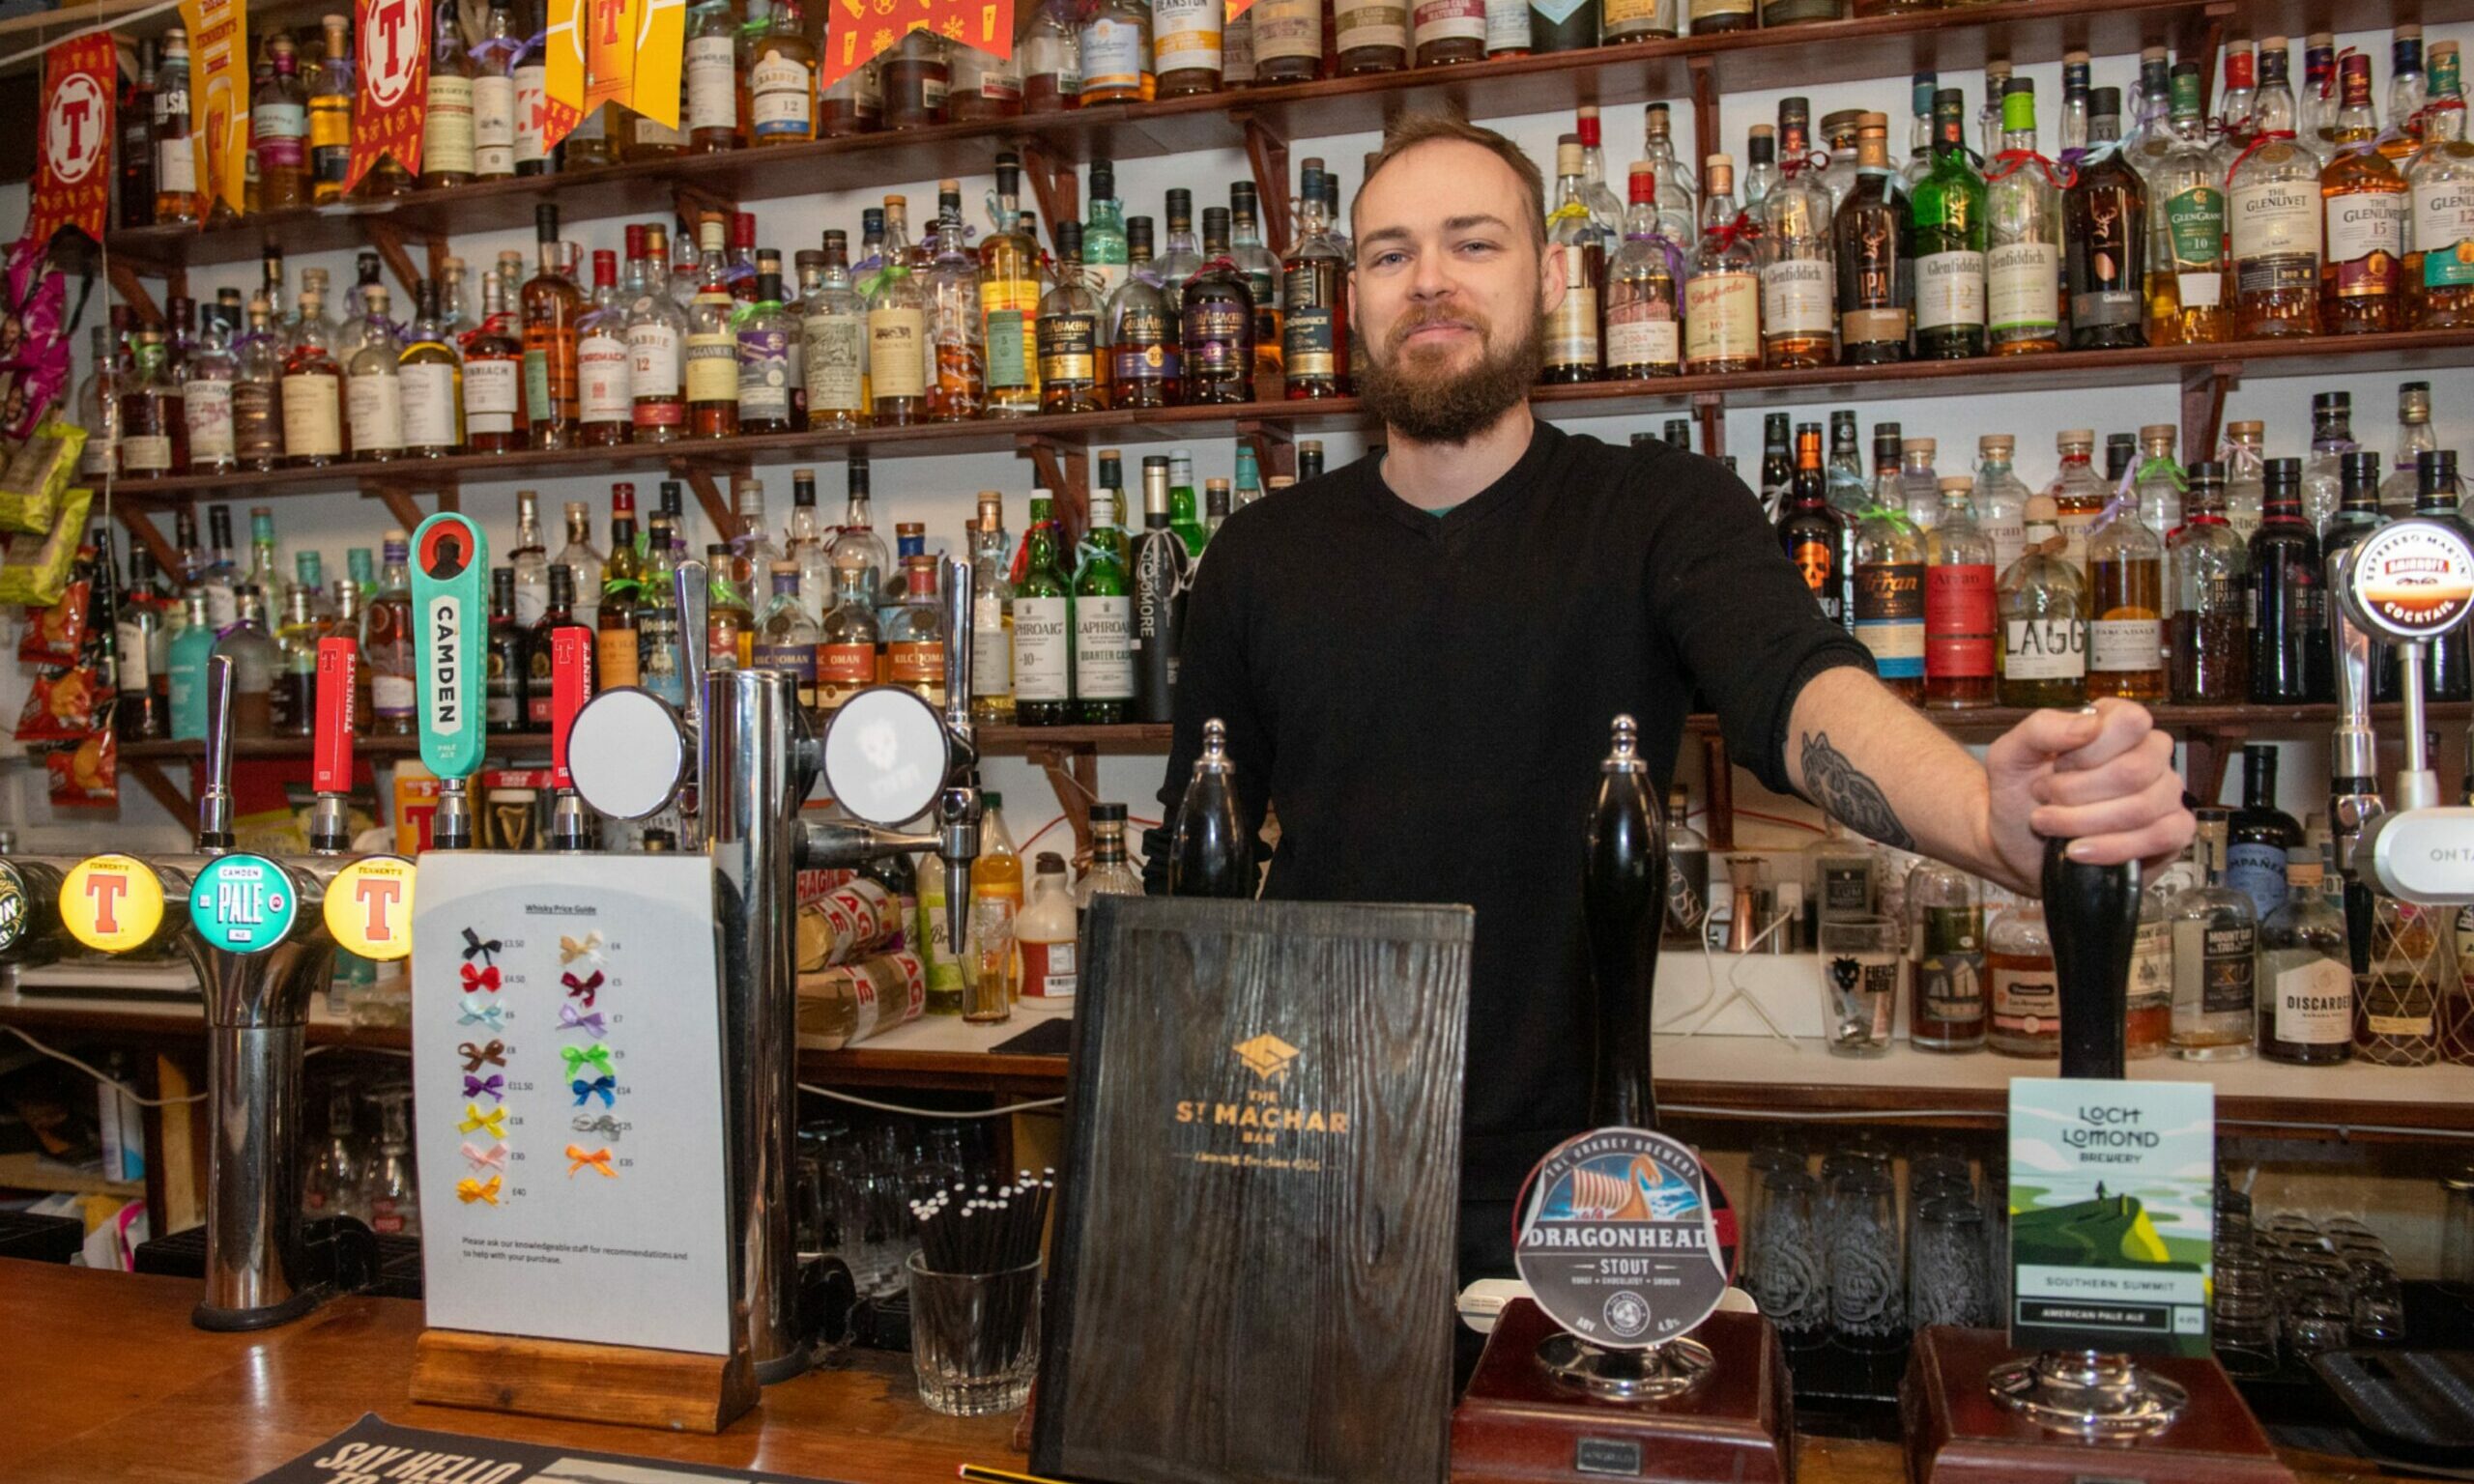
(1410, 129)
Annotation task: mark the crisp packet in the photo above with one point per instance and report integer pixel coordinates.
(37, 473)
(57, 634)
(32, 386)
(35, 571)
(61, 705)
(86, 776)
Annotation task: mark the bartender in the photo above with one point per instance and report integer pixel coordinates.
(1417, 657)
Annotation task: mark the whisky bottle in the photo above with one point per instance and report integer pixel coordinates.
(552, 307)
(493, 378)
(605, 406)
(1009, 297)
(1576, 240)
(958, 391)
(2126, 609)
(2362, 288)
(1874, 242)
(898, 330)
(1961, 617)
(2273, 218)
(2186, 227)
(2260, 834)
(2105, 214)
(1315, 327)
(374, 388)
(279, 129)
(711, 359)
(1815, 536)
(2290, 661)
(1217, 324)
(313, 387)
(1643, 333)
(781, 79)
(2044, 610)
(2215, 933)
(1067, 333)
(2439, 270)
(328, 122)
(1947, 212)
(447, 121)
(1043, 626)
(2211, 597)
(833, 333)
(1798, 298)
(430, 380)
(2023, 252)
(761, 332)
(2306, 982)
(1144, 368)
(1889, 614)
(1722, 296)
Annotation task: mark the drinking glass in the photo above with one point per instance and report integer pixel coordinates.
(1784, 1268)
(1860, 964)
(974, 1337)
(1866, 1301)
(1949, 1281)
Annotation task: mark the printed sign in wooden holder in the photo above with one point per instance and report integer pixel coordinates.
(569, 1130)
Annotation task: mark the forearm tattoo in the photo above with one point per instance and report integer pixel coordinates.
(1835, 784)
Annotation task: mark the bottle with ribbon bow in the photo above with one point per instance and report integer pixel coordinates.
(2023, 254)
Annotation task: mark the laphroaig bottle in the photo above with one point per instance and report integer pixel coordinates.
(1046, 933)
(191, 648)
(1043, 626)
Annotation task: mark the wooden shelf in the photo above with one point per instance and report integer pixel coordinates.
(30, 1171)
(2060, 371)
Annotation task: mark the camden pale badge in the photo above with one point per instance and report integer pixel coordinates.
(1618, 1242)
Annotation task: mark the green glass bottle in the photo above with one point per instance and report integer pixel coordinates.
(1042, 627)
(1947, 211)
(1183, 516)
(1102, 623)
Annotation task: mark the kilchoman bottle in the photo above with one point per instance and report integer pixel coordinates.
(1163, 570)
(1798, 298)
(1314, 326)
(2186, 265)
(1889, 605)
(1722, 296)
(1947, 209)
(2290, 658)
(1816, 538)
(1067, 333)
(2105, 214)
(1145, 366)
(2215, 932)
(914, 638)
(2126, 605)
(2272, 212)
(1218, 323)
(2211, 597)
(2024, 226)
(2044, 608)
(2439, 266)
(1043, 626)
(1874, 236)
(1962, 618)
(1576, 240)
(2362, 280)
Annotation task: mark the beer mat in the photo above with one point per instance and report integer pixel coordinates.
(1049, 1038)
(373, 1450)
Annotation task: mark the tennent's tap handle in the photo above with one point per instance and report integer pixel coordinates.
(1623, 911)
(2092, 912)
(215, 799)
(330, 765)
(570, 687)
(451, 614)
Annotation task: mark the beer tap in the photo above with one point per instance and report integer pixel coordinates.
(572, 827)
(1623, 906)
(2353, 760)
(330, 767)
(450, 613)
(2408, 582)
(749, 751)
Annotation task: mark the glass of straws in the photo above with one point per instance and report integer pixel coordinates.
(975, 1293)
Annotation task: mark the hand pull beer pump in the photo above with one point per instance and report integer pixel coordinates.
(740, 760)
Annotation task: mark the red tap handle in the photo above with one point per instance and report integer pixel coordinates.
(570, 687)
(338, 674)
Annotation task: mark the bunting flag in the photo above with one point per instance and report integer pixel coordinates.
(861, 30)
(218, 98)
(563, 71)
(1235, 9)
(610, 51)
(395, 40)
(661, 41)
(73, 177)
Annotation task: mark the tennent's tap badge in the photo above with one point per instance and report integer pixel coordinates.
(857, 31)
(369, 907)
(72, 161)
(394, 97)
(111, 903)
(450, 613)
(1619, 1239)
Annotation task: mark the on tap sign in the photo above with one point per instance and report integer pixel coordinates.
(72, 169)
(393, 97)
(860, 30)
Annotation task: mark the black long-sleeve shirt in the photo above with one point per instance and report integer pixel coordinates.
(1426, 701)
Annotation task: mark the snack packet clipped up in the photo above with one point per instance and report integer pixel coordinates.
(86, 776)
(37, 474)
(35, 571)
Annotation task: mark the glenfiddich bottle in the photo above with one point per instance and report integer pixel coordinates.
(1875, 241)
(1947, 211)
(1722, 297)
(1798, 301)
(2022, 250)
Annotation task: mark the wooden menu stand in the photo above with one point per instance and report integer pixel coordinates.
(1958, 1433)
(1518, 1423)
(676, 1390)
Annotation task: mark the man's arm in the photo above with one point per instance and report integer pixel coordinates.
(2102, 778)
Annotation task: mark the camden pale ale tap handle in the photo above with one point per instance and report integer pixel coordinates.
(2092, 913)
(451, 614)
(1623, 912)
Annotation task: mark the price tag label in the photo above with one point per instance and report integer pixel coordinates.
(111, 903)
(369, 907)
(243, 904)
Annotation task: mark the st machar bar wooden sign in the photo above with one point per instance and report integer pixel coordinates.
(1251, 1273)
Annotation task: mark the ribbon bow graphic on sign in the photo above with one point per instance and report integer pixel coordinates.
(470, 1190)
(604, 1125)
(492, 1158)
(474, 1120)
(475, 945)
(493, 1085)
(479, 1012)
(596, 1057)
(606, 1086)
(482, 979)
(598, 1158)
(495, 1053)
(589, 948)
(582, 989)
(570, 1020)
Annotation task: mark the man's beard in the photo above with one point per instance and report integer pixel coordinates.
(1436, 407)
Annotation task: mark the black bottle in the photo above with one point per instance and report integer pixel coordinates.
(1208, 853)
(1576, 31)
(505, 688)
(1813, 536)
(1679, 433)
(1777, 465)
(2261, 834)
(2289, 653)
(2122, 450)
(1162, 573)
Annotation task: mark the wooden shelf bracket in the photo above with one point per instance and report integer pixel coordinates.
(399, 502)
(1064, 471)
(1267, 156)
(1054, 184)
(1074, 772)
(2204, 390)
(1275, 448)
(151, 777)
(395, 246)
(699, 477)
(1709, 409)
(141, 526)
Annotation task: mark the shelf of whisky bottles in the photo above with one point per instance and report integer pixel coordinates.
(1884, 47)
(2404, 351)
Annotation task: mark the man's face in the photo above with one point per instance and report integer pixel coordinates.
(1449, 290)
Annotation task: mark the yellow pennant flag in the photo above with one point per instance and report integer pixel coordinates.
(609, 52)
(563, 71)
(218, 98)
(661, 40)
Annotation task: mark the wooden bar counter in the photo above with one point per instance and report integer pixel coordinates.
(104, 1379)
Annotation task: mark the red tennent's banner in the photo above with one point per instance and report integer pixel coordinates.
(859, 30)
(395, 40)
(72, 174)
(568, 23)
(219, 95)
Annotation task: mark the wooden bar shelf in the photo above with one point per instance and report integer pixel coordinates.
(2415, 351)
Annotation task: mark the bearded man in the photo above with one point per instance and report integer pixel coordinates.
(1418, 657)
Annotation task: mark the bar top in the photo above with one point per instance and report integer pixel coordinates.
(107, 1381)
